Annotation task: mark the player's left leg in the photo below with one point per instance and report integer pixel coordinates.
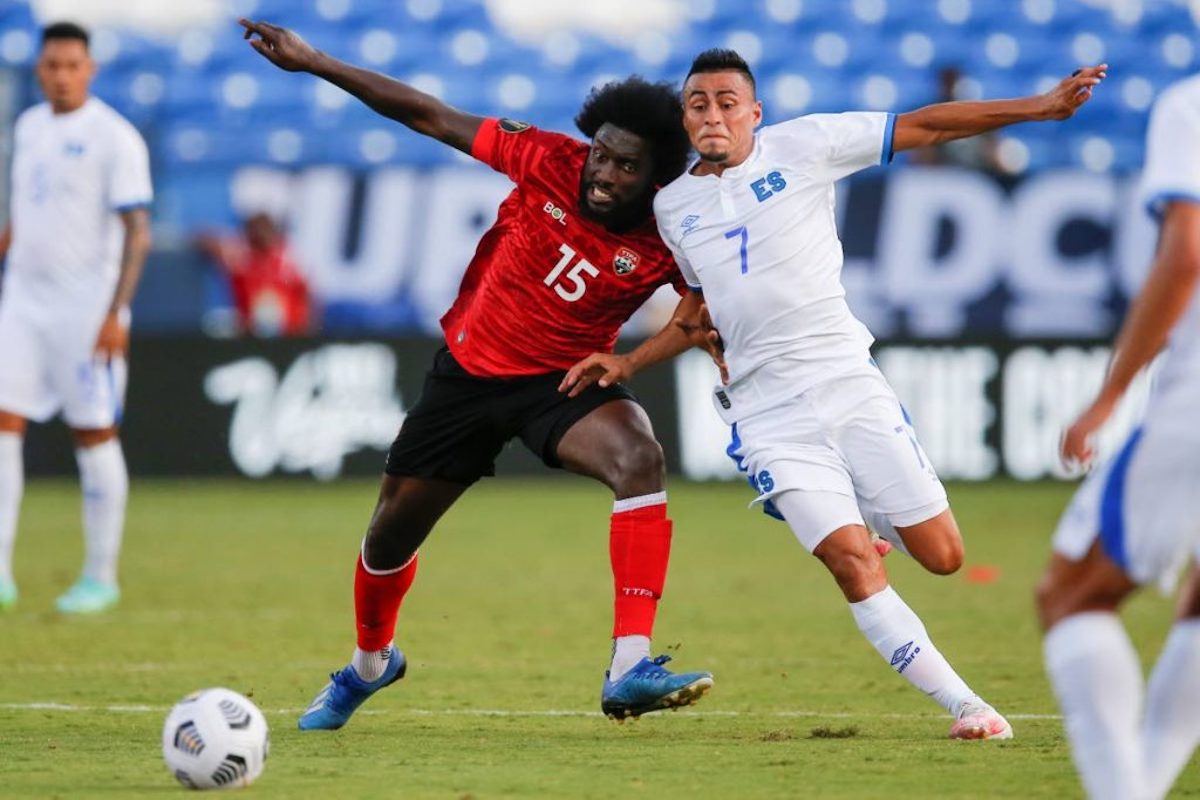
(93, 395)
(1171, 729)
(105, 482)
(614, 443)
(829, 526)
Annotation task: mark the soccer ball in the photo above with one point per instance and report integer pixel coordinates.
(215, 739)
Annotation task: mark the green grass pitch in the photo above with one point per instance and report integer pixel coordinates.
(248, 585)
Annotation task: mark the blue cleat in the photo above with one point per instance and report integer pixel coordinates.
(8, 594)
(649, 687)
(345, 692)
(88, 596)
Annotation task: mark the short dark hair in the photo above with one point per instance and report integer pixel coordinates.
(650, 110)
(719, 59)
(65, 30)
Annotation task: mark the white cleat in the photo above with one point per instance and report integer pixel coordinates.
(978, 720)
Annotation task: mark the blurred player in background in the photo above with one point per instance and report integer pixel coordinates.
(76, 245)
(1134, 521)
(573, 253)
(815, 424)
(269, 292)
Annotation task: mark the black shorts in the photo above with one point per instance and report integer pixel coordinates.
(461, 422)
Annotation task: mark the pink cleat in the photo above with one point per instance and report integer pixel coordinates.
(882, 546)
(978, 720)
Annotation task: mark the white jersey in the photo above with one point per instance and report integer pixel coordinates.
(762, 243)
(1172, 172)
(72, 173)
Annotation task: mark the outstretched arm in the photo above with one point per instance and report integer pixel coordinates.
(690, 326)
(1169, 289)
(945, 122)
(423, 113)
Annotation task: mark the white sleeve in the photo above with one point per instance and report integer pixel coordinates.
(843, 143)
(129, 173)
(1172, 170)
(689, 274)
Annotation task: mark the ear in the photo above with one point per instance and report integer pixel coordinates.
(757, 112)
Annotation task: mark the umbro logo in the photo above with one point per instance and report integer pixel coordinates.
(904, 656)
(689, 223)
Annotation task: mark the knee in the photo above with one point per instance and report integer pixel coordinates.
(854, 564)
(93, 437)
(638, 467)
(946, 557)
(1051, 600)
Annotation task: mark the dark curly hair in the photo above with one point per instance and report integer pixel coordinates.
(721, 60)
(650, 110)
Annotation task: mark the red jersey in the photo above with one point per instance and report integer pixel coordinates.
(547, 287)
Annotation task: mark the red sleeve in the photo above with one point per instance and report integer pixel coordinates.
(512, 147)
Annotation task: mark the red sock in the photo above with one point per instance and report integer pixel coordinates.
(377, 603)
(639, 546)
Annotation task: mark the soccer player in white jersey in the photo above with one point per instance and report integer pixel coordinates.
(1137, 518)
(76, 242)
(816, 427)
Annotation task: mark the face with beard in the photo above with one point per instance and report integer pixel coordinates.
(616, 186)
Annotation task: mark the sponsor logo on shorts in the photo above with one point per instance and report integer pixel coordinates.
(723, 399)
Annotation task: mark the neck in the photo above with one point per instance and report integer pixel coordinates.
(705, 167)
(65, 108)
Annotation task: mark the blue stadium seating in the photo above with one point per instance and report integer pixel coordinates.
(207, 103)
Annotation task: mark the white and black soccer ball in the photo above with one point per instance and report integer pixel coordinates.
(215, 739)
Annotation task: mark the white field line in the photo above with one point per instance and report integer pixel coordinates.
(499, 712)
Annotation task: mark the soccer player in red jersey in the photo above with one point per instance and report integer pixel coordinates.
(573, 253)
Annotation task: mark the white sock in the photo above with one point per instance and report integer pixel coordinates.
(370, 664)
(627, 651)
(1098, 680)
(1171, 730)
(899, 636)
(105, 490)
(12, 484)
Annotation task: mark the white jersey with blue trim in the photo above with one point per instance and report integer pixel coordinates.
(761, 241)
(72, 174)
(1172, 173)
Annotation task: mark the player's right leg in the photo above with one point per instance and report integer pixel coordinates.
(446, 443)
(12, 483)
(24, 394)
(405, 514)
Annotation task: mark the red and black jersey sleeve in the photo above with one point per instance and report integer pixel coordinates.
(514, 148)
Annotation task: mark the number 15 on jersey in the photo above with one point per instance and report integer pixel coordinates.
(574, 277)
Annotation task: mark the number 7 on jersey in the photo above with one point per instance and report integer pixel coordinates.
(740, 230)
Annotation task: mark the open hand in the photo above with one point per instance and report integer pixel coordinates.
(703, 334)
(1076, 448)
(604, 369)
(113, 339)
(1072, 92)
(283, 48)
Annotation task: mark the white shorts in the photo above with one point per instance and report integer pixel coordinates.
(850, 438)
(49, 365)
(1144, 505)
